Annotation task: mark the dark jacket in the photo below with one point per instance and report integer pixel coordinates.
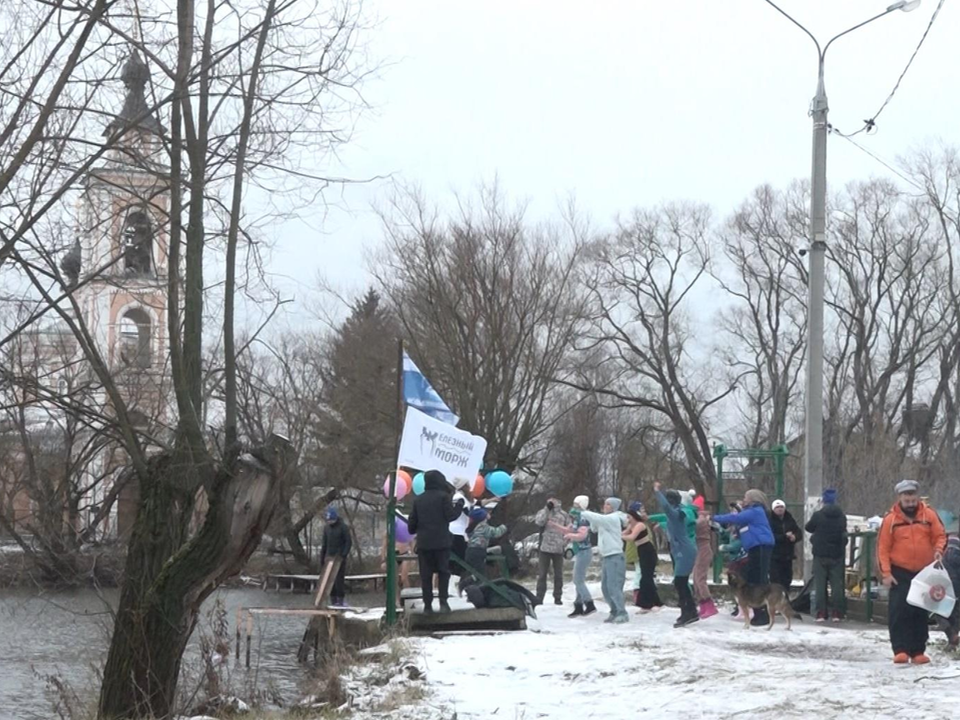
(336, 540)
(951, 561)
(432, 513)
(783, 549)
(828, 529)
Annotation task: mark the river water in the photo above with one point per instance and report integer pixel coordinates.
(64, 636)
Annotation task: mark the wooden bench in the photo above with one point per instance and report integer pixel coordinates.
(377, 579)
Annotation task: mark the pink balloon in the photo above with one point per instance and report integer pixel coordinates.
(400, 490)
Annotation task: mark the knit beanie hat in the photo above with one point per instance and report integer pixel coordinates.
(614, 503)
(478, 514)
(331, 514)
(755, 497)
(829, 496)
(778, 504)
(581, 501)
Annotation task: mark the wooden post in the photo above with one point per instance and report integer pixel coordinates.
(392, 501)
(239, 621)
(249, 633)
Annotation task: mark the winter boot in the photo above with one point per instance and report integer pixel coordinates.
(444, 606)
(707, 609)
(428, 609)
(589, 608)
(577, 610)
(760, 617)
(557, 601)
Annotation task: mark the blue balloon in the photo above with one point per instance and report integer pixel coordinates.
(500, 483)
(419, 484)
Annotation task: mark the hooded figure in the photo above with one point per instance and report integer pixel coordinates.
(828, 538)
(613, 569)
(683, 550)
(579, 533)
(433, 511)
(336, 544)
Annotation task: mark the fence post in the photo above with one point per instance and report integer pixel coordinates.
(868, 539)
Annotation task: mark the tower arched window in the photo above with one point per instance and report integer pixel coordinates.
(137, 241)
(135, 338)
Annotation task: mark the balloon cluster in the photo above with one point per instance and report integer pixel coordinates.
(498, 482)
(402, 486)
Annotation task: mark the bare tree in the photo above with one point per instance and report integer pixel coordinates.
(490, 307)
(883, 292)
(642, 288)
(765, 341)
(245, 89)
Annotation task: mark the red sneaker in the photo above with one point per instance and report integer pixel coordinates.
(837, 617)
(901, 658)
(822, 616)
(920, 659)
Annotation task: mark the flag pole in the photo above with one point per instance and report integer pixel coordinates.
(392, 501)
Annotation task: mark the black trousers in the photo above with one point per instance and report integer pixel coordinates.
(758, 565)
(688, 608)
(781, 571)
(434, 562)
(546, 561)
(458, 549)
(339, 589)
(476, 559)
(908, 624)
(648, 597)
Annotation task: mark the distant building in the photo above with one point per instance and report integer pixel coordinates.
(118, 268)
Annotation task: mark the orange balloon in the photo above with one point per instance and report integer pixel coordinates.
(404, 477)
(478, 486)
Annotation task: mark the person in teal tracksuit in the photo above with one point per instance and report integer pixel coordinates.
(683, 550)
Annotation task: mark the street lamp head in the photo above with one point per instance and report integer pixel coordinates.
(905, 5)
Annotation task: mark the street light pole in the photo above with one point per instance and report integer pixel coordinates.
(813, 437)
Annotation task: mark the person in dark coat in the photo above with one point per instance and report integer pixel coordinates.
(433, 511)
(786, 535)
(828, 538)
(336, 543)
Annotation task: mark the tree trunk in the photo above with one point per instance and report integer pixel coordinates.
(168, 576)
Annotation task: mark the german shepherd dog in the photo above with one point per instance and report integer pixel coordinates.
(756, 596)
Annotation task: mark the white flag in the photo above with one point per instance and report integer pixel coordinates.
(429, 444)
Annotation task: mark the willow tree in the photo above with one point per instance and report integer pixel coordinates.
(222, 101)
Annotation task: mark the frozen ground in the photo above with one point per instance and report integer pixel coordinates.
(584, 668)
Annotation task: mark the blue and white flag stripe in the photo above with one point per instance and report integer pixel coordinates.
(419, 393)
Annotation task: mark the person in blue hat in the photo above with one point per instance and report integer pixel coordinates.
(336, 543)
(479, 534)
(828, 538)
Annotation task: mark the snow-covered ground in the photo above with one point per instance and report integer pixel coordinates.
(583, 668)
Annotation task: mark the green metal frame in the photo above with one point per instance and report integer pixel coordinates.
(778, 454)
(484, 581)
(867, 553)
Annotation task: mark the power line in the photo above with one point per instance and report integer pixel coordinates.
(888, 166)
(869, 125)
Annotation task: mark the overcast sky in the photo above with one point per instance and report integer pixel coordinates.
(622, 103)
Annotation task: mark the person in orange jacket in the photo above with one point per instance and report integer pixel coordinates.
(911, 537)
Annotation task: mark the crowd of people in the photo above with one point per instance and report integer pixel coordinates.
(758, 540)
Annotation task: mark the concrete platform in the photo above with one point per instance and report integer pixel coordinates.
(472, 619)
